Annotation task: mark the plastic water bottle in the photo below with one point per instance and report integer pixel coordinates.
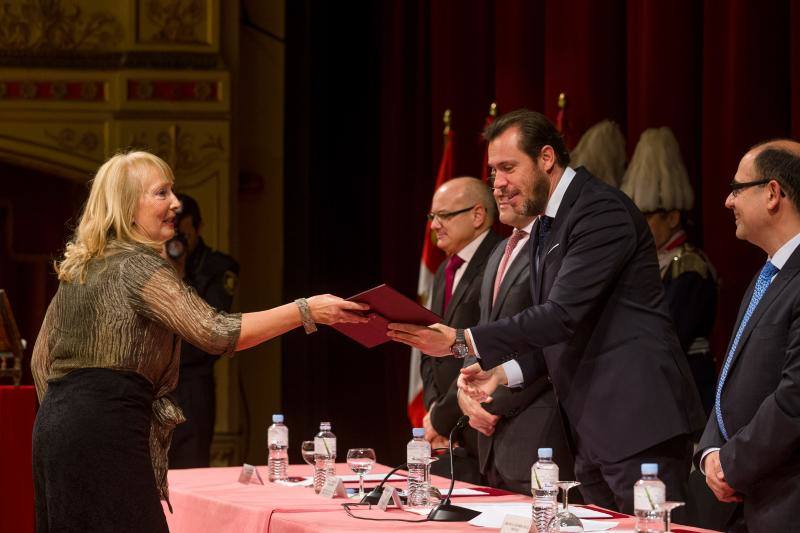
(278, 443)
(418, 454)
(648, 493)
(324, 455)
(544, 472)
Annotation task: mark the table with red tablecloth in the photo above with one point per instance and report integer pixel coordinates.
(17, 413)
(211, 499)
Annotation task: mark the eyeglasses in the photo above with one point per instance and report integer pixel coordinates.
(447, 215)
(738, 186)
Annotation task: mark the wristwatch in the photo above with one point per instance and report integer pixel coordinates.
(459, 349)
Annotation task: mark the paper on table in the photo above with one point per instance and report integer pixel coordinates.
(492, 514)
(372, 477)
(456, 492)
(307, 482)
(524, 509)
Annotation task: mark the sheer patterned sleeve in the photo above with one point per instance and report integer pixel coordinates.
(156, 292)
(40, 359)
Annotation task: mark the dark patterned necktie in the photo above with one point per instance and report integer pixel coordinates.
(453, 264)
(545, 222)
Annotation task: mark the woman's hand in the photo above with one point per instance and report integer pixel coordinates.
(329, 309)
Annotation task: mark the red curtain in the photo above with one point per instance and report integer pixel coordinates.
(722, 74)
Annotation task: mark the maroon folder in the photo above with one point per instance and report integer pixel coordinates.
(385, 305)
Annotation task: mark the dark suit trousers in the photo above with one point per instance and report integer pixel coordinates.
(610, 485)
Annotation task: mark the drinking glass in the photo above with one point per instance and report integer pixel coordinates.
(360, 461)
(564, 521)
(307, 450)
(667, 508)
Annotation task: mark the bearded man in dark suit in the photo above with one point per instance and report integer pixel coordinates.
(598, 315)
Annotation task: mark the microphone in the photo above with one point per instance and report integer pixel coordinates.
(374, 495)
(446, 511)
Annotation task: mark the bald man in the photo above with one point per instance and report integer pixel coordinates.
(750, 450)
(462, 213)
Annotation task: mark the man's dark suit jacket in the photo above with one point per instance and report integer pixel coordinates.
(761, 407)
(439, 373)
(530, 417)
(600, 318)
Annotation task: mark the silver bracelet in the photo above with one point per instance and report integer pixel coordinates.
(305, 316)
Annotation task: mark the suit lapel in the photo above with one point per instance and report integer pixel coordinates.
(513, 272)
(474, 266)
(490, 274)
(554, 237)
(781, 281)
(437, 299)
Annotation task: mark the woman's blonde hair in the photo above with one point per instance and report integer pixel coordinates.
(107, 219)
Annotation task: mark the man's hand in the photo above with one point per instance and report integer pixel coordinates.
(715, 479)
(479, 418)
(431, 435)
(434, 340)
(480, 384)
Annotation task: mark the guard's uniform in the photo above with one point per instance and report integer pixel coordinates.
(690, 287)
(214, 275)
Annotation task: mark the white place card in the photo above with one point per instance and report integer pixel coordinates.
(250, 475)
(333, 487)
(515, 524)
(389, 494)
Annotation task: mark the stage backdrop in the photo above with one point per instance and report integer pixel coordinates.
(366, 92)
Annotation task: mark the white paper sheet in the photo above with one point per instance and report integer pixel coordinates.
(492, 515)
(372, 477)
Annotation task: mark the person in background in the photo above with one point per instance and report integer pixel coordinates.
(750, 450)
(657, 182)
(601, 151)
(462, 214)
(214, 276)
(107, 354)
(513, 426)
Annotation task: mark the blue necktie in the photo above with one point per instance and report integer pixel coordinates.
(764, 279)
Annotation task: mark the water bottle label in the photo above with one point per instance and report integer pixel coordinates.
(544, 477)
(647, 498)
(325, 446)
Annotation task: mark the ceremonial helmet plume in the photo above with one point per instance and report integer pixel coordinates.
(602, 151)
(656, 178)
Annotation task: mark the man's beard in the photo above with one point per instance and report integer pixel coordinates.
(536, 203)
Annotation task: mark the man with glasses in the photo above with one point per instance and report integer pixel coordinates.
(750, 450)
(462, 213)
(598, 315)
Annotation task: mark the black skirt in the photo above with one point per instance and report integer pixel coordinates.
(91, 455)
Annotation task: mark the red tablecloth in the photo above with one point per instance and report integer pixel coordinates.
(212, 500)
(17, 413)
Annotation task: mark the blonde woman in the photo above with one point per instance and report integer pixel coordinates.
(107, 354)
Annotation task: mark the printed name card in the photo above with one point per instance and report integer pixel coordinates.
(389, 494)
(515, 524)
(333, 487)
(250, 475)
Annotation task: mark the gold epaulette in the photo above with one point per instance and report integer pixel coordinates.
(688, 259)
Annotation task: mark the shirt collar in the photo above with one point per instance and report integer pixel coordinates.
(785, 252)
(527, 229)
(555, 200)
(469, 250)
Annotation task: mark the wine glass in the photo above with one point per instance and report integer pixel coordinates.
(564, 521)
(307, 450)
(667, 508)
(360, 461)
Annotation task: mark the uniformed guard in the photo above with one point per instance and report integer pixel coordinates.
(657, 182)
(214, 276)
